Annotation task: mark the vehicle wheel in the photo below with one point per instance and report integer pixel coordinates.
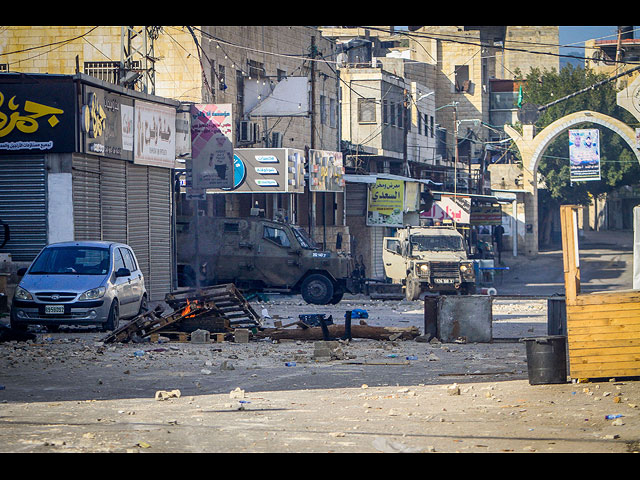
(317, 289)
(15, 325)
(144, 305)
(113, 320)
(336, 298)
(412, 290)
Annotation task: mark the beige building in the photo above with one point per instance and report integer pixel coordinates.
(208, 64)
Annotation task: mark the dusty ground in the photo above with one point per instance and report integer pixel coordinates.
(68, 392)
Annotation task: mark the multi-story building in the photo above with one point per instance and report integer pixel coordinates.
(244, 67)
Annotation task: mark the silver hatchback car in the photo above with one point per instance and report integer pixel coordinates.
(80, 283)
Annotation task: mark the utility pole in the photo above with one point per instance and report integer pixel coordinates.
(137, 59)
(312, 195)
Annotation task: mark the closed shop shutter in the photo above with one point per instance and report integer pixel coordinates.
(86, 199)
(138, 215)
(113, 199)
(23, 206)
(356, 199)
(160, 258)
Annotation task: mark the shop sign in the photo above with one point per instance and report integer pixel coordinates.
(385, 203)
(37, 117)
(267, 170)
(211, 146)
(456, 209)
(107, 124)
(486, 215)
(154, 140)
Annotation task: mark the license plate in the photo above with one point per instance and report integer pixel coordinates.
(54, 309)
(444, 280)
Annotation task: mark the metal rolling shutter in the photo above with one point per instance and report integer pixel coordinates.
(23, 206)
(377, 238)
(160, 258)
(138, 216)
(356, 199)
(113, 199)
(86, 199)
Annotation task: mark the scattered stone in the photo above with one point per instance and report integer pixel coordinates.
(200, 336)
(164, 395)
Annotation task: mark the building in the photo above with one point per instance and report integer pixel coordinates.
(83, 159)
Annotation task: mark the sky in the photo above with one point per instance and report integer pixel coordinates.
(576, 35)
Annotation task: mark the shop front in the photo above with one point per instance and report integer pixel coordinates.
(82, 159)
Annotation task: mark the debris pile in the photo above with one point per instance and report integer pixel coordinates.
(219, 308)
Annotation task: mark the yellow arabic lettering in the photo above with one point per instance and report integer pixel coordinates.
(25, 123)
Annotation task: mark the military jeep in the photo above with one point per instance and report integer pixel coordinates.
(428, 259)
(257, 254)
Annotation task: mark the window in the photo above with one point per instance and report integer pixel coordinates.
(75, 260)
(118, 262)
(222, 77)
(431, 125)
(385, 112)
(129, 261)
(333, 113)
(462, 82)
(231, 227)
(280, 74)
(393, 246)
(323, 110)
(256, 69)
(366, 110)
(277, 236)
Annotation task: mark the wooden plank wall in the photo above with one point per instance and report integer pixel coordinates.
(603, 329)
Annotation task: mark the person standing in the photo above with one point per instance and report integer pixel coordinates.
(498, 231)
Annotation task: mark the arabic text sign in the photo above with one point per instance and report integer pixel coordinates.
(154, 135)
(211, 146)
(584, 154)
(37, 117)
(450, 208)
(385, 203)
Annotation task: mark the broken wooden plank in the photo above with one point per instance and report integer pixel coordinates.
(337, 331)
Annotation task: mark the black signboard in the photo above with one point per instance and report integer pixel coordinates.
(36, 115)
(106, 123)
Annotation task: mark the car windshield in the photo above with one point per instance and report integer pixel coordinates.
(421, 243)
(303, 239)
(76, 260)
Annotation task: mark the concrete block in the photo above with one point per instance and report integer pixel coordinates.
(200, 336)
(465, 316)
(241, 335)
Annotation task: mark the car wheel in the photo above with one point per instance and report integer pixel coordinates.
(336, 298)
(317, 289)
(113, 320)
(144, 305)
(15, 325)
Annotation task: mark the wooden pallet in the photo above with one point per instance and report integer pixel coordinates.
(181, 337)
(227, 302)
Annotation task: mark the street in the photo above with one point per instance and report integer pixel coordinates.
(69, 392)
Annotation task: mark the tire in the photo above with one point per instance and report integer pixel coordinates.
(336, 298)
(317, 289)
(144, 305)
(412, 289)
(113, 320)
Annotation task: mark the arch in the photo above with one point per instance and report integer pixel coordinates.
(533, 148)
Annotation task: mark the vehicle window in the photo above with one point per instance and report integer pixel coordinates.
(129, 261)
(118, 262)
(393, 246)
(442, 242)
(303, 239)
(277, 236)
(76, 259)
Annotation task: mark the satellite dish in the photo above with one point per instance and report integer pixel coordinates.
(528, 114)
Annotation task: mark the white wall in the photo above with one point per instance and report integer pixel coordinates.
(60, 207)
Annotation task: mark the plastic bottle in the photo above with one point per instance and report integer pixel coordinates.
(290, 364)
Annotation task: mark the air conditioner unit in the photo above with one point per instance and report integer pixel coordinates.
(249, 132)
(276, 140)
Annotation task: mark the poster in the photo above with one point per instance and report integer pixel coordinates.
(326, 171)
(385, 203)
(211, 146)
(584, 154)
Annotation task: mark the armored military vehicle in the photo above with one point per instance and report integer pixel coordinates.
(257, 254)
(428, 259)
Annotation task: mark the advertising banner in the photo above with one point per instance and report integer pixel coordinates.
(486, 215)
(106, 123)
(37, 117)
(211, 146)
(584, 154)
(267, 170)
(154, 135)
(385, 203)
(456, 209)
(326, 171)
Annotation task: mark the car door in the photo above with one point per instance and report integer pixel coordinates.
(277, 257)
(122, 285)
(137, 280)
(394, 263)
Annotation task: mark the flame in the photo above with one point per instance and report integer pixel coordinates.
(191, 306)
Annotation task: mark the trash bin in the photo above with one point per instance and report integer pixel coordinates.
(547, 359)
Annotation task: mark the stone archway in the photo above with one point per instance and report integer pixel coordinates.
(532, 146)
